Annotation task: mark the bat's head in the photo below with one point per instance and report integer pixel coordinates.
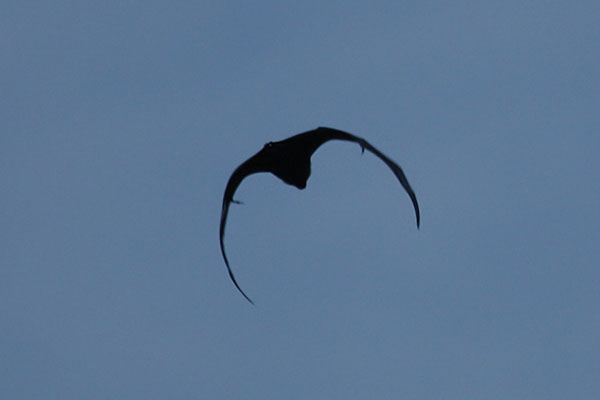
(294, 173)
(288, 161)
(300, 183)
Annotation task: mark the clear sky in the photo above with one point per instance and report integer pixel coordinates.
(120, 123)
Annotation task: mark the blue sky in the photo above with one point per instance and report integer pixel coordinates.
(120, 123)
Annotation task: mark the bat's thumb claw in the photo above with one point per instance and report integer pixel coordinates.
(236, 202)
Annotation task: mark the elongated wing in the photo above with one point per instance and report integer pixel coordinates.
(323, 134)
(251, 166)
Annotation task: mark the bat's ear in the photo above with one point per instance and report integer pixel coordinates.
(270, 144)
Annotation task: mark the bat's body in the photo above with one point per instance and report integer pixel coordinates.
(289, 160)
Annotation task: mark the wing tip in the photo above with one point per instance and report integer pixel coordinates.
(236, 284)
(243, 294)
(232, 277)
(418, 216)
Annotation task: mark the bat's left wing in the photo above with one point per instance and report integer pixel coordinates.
(330, 133)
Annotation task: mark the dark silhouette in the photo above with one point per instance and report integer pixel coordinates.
(289, 160)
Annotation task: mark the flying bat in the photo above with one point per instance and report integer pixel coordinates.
(289, 160)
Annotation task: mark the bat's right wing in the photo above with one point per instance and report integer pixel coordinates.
(255, 164)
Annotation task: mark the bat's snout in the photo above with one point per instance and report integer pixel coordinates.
(301, 185)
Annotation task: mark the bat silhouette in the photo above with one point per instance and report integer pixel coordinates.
(289, 160)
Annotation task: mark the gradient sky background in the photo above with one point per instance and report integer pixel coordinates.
(120, 123)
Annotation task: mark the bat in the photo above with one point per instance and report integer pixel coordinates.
(289, 160)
